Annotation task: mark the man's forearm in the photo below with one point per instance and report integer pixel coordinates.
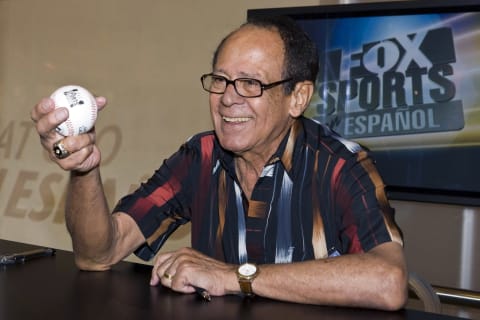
(89, 220)
(361, 280)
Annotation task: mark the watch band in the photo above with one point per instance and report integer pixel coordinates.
(246, 273)
(246, 287)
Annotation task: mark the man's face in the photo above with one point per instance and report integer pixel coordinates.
(251, 126)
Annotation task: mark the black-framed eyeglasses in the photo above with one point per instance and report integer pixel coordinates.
(245, 87)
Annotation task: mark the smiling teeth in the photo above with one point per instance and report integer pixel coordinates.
(235, 119)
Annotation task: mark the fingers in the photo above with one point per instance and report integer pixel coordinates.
(47, 105)
(162, 262)
(185, 269)
(47, 118)
(168, 276)
(174, 269)
(156, 278)
(101, 102)
(77, 153)
(43, 107)
(59, 150)
(75, 148)
(70, 153)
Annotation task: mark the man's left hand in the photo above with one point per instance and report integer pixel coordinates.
(184, 269)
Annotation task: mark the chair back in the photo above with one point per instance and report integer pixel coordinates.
(424, 291)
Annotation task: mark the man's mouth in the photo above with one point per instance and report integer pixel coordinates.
(235, 119)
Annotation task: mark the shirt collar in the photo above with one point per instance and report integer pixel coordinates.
(284, 153)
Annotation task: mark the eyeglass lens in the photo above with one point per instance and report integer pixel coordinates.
(243, 86)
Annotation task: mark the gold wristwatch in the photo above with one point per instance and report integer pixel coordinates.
(246, 273)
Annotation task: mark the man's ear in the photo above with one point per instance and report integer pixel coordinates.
(301, 96)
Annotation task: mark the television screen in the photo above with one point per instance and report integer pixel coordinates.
(403, 79)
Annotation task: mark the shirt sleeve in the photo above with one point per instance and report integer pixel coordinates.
(366, 216)
(162, 204)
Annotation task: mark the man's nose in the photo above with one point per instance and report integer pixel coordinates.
(230, 96)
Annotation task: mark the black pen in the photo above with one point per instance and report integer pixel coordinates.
(203, 293)
(21, 257)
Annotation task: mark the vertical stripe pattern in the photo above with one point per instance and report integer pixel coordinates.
(317, 193)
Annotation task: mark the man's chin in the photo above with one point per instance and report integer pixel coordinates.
(232, 146)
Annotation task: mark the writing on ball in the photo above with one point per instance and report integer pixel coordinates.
(82, 109)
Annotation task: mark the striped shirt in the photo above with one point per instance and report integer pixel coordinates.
(318, 194)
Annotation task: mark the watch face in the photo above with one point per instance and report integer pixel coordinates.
(247, 269)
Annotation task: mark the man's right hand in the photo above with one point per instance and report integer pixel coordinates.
(84, 154)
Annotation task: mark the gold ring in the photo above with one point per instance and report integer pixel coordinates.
(59, 150)
(167, 276)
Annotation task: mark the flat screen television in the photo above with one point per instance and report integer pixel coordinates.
(403, 79)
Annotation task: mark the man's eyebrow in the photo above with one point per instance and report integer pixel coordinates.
(242, 74)
(250, 75)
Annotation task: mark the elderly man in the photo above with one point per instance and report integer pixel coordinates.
(280, 206)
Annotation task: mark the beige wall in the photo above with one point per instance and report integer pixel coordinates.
(146, 57)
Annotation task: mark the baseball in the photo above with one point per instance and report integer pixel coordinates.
(82, 109)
